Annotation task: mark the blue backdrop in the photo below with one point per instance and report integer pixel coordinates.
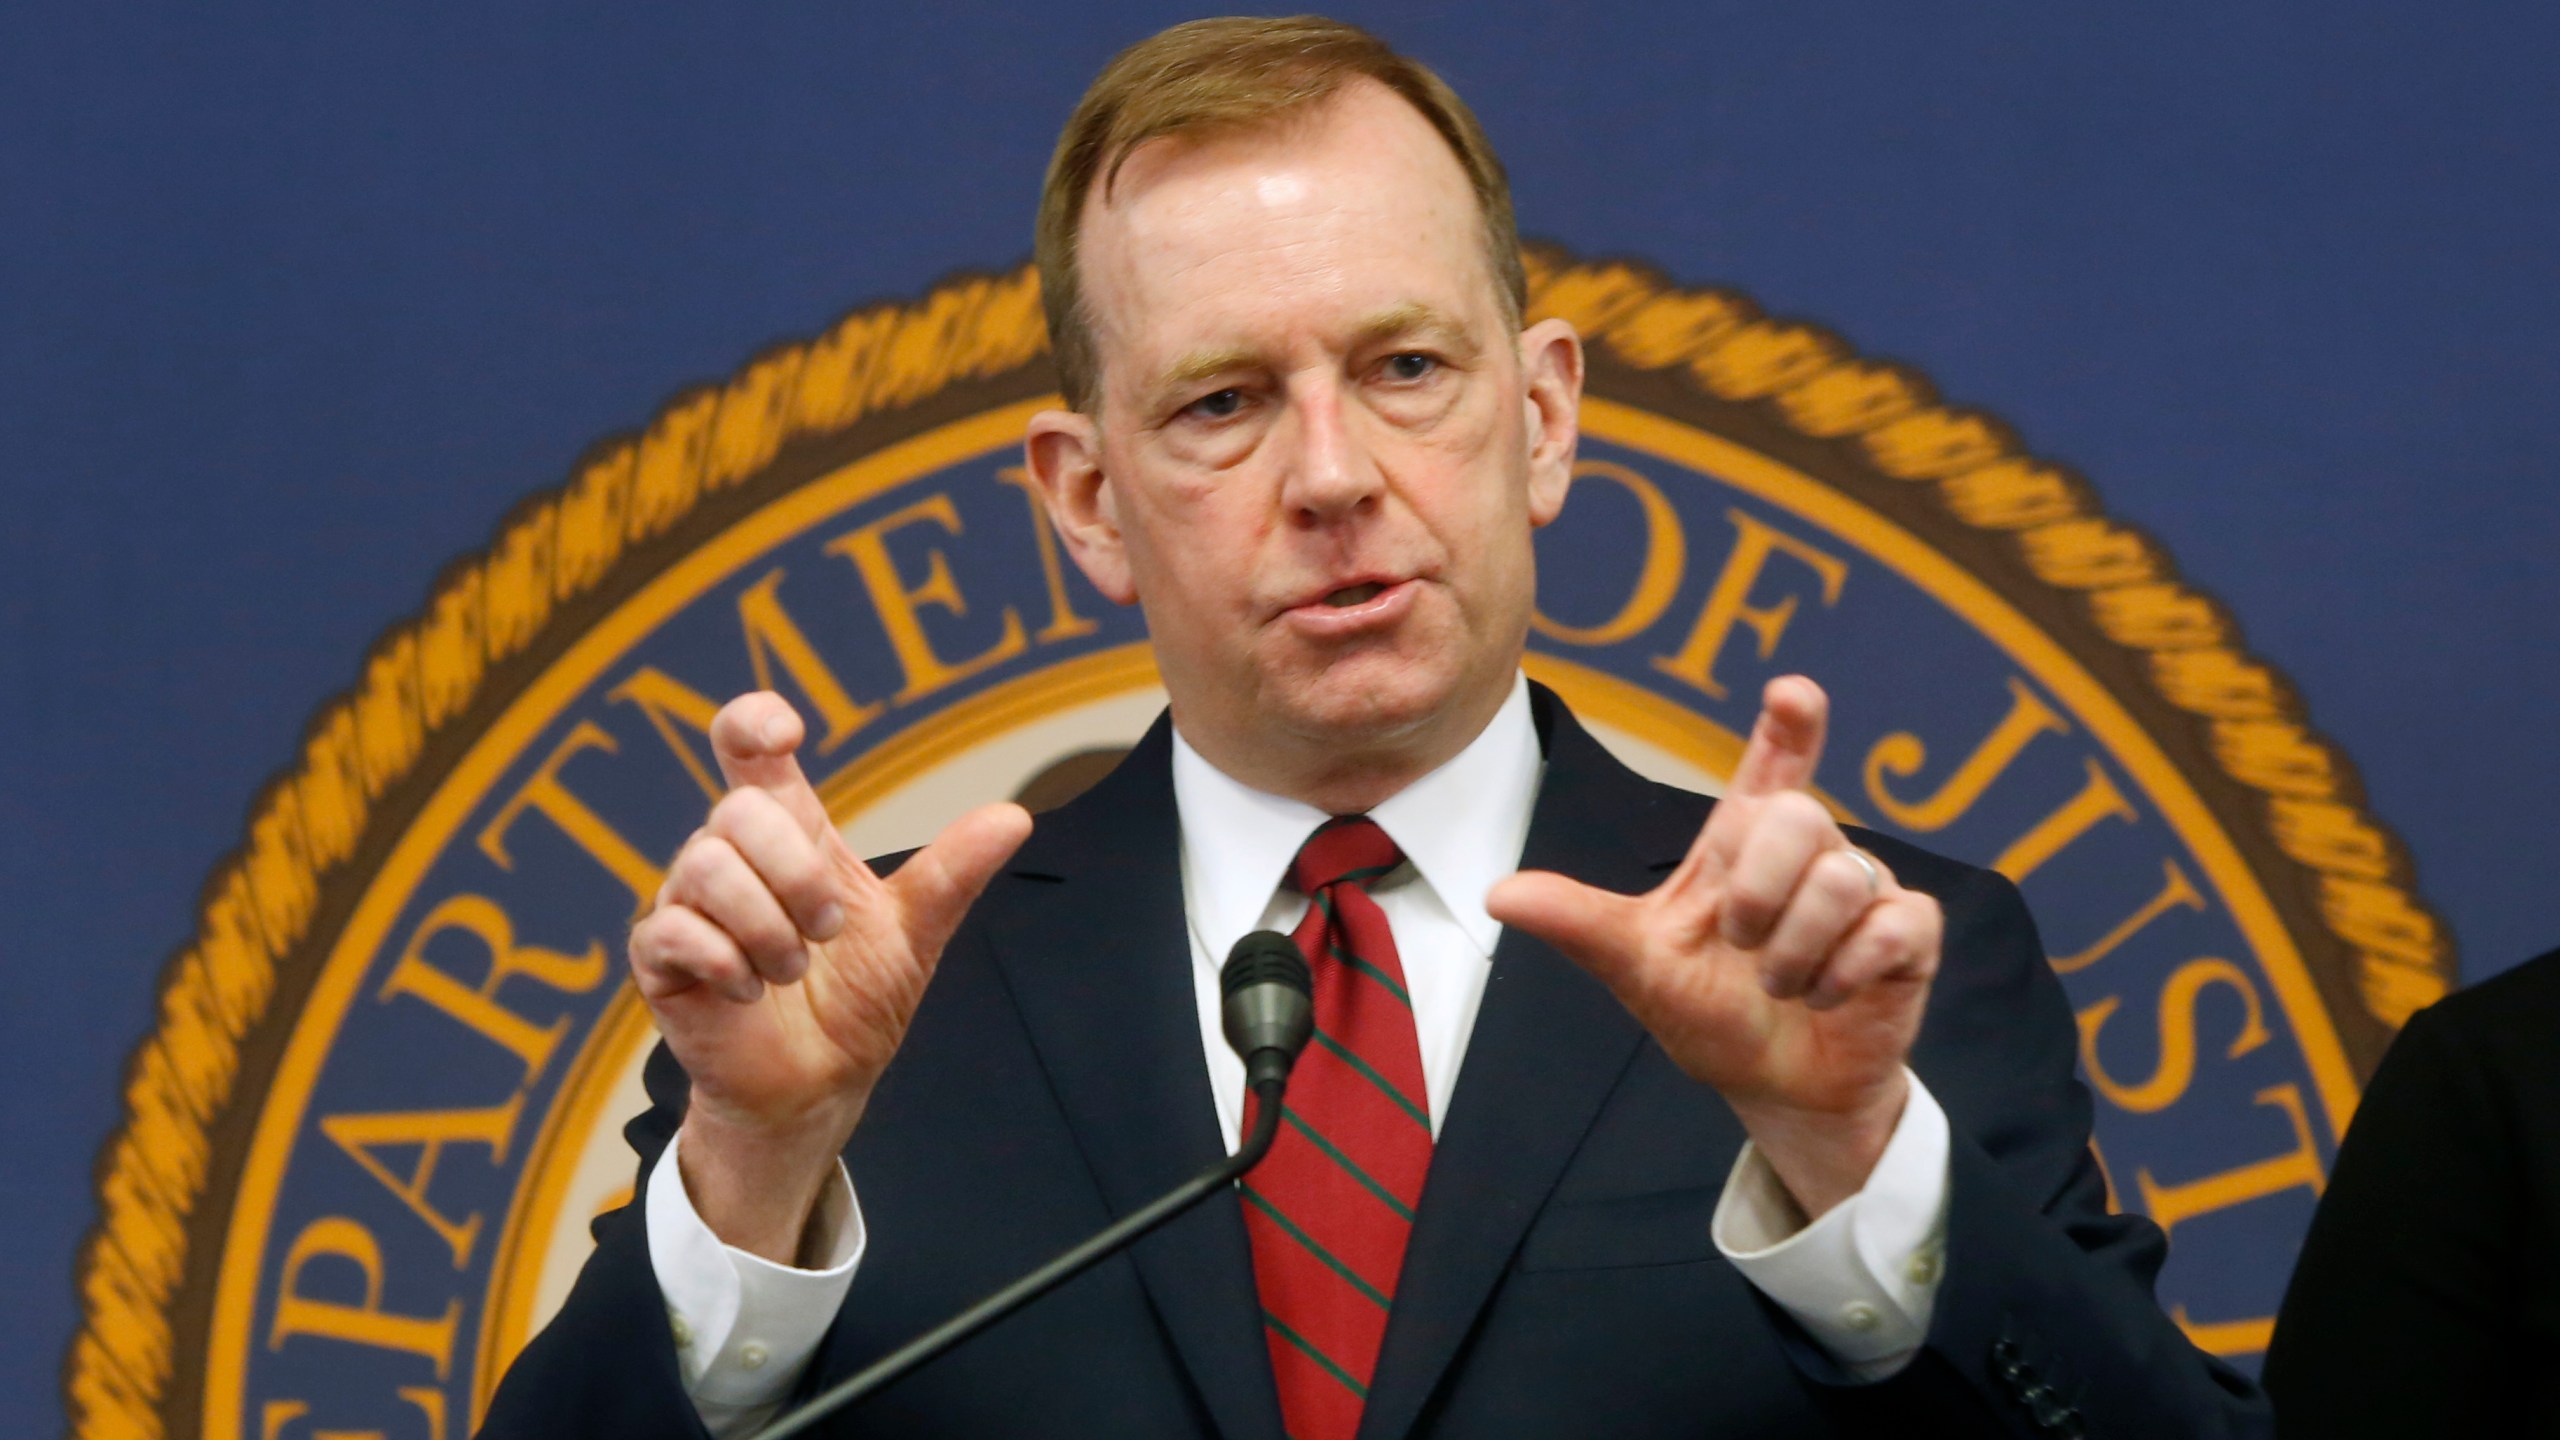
(295, 304)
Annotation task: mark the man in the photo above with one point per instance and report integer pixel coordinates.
(1310, 437)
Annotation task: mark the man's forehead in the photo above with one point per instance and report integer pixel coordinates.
(1357, 209)
(1358, 104)
(1363, 149)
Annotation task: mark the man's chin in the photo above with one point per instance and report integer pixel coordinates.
(1372, 702)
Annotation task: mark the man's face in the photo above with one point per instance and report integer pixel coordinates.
(1321, 448)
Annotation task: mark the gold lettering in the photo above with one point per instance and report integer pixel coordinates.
(2176, 889)
(1666, 555)
(545, 793)
(2177, 1067)
(2226, 1337)
(868, 549)
(430, 1403)
(338, 1237)
(669, 703)
(2299, 1166)
(1064, 622)
(2098, 800)
(430, 1131)
(1729, 602)
(773, 635)
(1901, 754)
(477, 1006)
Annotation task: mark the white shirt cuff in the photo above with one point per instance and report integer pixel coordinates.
(1864, 1278)
(744, 1326)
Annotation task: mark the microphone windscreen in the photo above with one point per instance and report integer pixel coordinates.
(1268, 1006)
(1265, 957)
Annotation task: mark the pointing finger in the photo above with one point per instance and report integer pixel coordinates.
(755, 738)
(1786, 743)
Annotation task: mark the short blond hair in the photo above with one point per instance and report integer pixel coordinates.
(1230, 74)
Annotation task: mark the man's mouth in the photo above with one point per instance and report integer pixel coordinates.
(1361, 608)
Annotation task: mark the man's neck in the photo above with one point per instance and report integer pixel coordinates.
(1344, 777)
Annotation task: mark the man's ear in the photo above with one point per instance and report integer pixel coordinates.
(1551, 372)
(1063, 452)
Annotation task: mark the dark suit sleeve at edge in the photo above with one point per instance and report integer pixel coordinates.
(2046, 1319)
(606, 1365)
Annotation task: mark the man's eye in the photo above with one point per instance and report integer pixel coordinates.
(1411, 365)
(1217, 405)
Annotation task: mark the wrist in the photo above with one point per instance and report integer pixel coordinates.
(757, 1186)
(1824, 1156)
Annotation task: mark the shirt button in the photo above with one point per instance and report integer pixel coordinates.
(684, 1332)
(752, 1355)
(1923, 1269)
(1860, 1316)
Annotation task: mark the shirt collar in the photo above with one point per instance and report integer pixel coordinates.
(1462, 826)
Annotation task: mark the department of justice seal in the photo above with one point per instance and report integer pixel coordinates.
(383, 1100)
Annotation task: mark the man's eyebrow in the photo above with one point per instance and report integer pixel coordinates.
(1396, 322)
(1202, 365)
(1414, 319)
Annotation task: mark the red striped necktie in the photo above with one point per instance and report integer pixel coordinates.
(1329, 1211)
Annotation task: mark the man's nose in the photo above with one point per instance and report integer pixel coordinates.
(1331, 475)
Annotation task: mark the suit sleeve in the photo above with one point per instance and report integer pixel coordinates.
(2045, 1323)
(606, 1365)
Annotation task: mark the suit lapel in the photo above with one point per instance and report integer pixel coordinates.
(1549, 1045)
(1099, 962)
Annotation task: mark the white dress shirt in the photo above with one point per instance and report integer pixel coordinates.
(1862, 1279)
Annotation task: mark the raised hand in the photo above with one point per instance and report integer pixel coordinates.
(1777, 963)
(783, 973)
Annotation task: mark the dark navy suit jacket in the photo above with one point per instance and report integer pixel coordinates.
(1561, 1279)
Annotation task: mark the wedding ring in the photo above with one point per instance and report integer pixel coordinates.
(1875, 872)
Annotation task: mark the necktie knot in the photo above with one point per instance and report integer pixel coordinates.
(1348, 849)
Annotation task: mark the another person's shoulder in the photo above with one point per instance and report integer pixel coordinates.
(2511, 1017)
(2477, 1068)
(2509, 998)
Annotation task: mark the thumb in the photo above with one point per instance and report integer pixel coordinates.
(939, 883)
(1595, 928)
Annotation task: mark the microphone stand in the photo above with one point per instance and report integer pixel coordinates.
(1267, 1090)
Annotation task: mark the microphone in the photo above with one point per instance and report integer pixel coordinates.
(1267, 1009)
